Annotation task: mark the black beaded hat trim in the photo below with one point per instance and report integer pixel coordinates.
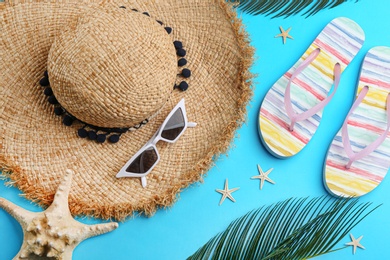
(101, 134)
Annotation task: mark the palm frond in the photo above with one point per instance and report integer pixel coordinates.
(292, 229)
(279, 8)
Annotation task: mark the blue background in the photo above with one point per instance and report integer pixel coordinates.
(177, 232)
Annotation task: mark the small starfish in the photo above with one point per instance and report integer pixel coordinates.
(226, 192)
(355, 243)
(284, 34)
(263, 176)
(53, 233)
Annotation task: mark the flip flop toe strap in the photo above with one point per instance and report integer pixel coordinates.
(293, 116)
(352, 156)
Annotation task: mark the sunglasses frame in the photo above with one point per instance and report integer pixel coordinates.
(152, 144)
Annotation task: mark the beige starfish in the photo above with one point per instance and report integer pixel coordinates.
(226, 193)
(263, 176)
(53, 233)
(284, 34)
(355, 243)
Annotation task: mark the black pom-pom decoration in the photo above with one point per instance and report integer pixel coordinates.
(82, 133)
(178, 44)
(183, 86)
(181, 52)
(101, 138)
(146, 13)
(182, 62)
(48, 91)
(186, 73)
(52, 100)
(92, 135)
(114, 138)
(58, 111)
(45, 74)
(124, 7)
(44, 82)
(161, 23)
(168, 29)
(67, 120)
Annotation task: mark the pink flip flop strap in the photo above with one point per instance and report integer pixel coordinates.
(352, 156)
(294, 117)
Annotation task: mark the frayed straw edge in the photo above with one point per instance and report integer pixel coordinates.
(13, 176)
(122, 211)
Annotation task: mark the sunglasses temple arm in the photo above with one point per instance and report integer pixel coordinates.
(143, 181)
(192, 124)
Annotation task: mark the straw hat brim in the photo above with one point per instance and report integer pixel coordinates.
(36, 148)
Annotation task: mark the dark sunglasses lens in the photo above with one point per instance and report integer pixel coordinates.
(174, 126)
(144, 161)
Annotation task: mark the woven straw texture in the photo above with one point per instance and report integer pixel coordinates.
(36, 148)
(113, 67)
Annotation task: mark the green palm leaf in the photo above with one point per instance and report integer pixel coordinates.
(292, 229)
(285, 7)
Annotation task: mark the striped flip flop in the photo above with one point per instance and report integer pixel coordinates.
(292, 109)
(359, 155)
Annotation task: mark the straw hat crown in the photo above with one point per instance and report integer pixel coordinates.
(103, 69)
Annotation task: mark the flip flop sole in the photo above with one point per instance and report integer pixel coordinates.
(339, 42)
(365, 124)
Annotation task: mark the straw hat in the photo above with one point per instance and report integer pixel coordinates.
(111, 71)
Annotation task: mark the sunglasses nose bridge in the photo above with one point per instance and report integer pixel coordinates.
(156, 139)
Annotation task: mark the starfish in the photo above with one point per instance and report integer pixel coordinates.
(226, 193)
(54, 232)
(263, 176)
(284, 34)
(355, 243)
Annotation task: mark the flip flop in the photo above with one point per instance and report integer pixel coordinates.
(292, 109)
(359, 155)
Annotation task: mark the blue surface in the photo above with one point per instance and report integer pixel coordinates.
(177, 232)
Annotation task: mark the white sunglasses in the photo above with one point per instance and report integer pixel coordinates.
(143, 162)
